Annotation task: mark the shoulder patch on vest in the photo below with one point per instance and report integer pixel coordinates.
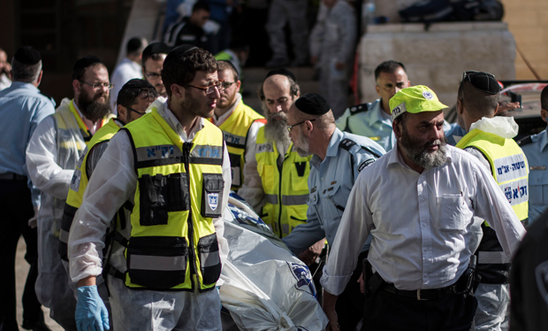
(365, 164)
(359, 108)
(524, 141)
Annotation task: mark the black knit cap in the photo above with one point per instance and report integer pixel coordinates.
(281, 71)
(177, 52)
(85, 62)
(313, 104)
(483, 81)
(27, 55)
(156, 48)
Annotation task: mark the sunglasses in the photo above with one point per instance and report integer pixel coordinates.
(469, 75)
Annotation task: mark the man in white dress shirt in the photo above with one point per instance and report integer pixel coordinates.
(129, 68)
(418, 270)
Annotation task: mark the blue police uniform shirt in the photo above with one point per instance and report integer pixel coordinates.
(537, 156)
(330, 183)
(22, 107)
(373, 123)
(454, 134)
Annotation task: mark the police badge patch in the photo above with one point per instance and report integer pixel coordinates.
(75, 181)
(541, 276)
(213, 200)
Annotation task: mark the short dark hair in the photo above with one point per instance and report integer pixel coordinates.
(27, 73)
(182, 63)
(154, 51)
(135, 46)
(228, 65)
(477, 102)
(388, 67)
(544, 98)
(201, 5)
(82, 64)
(132, 89)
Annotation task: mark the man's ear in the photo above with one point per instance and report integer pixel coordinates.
(177, 90)
(544, 114)
(122, 112)
(76, 85)
(397, 129)
(238, 84)
(460, 107)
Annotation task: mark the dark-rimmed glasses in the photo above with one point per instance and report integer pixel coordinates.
(211, 88)
(290, 127)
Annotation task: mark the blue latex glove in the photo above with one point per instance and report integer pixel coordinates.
(91, 312)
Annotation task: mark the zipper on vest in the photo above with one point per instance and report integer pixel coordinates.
(280, 171)
(193, 268)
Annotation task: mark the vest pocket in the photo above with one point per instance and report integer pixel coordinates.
(212, 195)
(153, 200)
(210, 261)
(158, 263)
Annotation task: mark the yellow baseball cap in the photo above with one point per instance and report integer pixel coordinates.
(415, 99)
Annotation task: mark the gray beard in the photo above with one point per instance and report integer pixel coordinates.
(275, 129)
(418, 154)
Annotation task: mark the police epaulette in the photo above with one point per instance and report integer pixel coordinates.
(358, 108)
(49, 97)
(524, 141)
(347, 144)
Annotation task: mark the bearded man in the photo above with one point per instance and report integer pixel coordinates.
(52, 155)
(418, 202)
(280, 197)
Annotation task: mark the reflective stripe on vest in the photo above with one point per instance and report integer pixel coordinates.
(173, 244)
(287, 184)
(235, 130)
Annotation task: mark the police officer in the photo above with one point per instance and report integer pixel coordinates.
(338, 157)
(373, 119)
(22, 108)
(172, 165)
(535, 149)
(489, 139)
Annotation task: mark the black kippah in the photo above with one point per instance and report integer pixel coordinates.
(485, 82)
(137, 83)
(313, 104)
(27, 55)
(178, 51)
(281, 71)
(156, 48)
(85, 62)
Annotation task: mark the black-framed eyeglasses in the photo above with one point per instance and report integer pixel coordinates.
(211, 88)
(153, 75)
(136, 111)
(290, 127)
(227, 84)
(468, 75)
(99, 85)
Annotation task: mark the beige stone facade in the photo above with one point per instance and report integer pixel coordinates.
(437, 57)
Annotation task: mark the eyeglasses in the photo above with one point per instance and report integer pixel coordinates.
(211, 88)
(99, 85)
(227, 84)
(136, 111)
(471, 73)
(290, 127)
(153, 75)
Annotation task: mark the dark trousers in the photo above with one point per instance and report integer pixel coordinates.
(387, 311)
(15, 211)
(350, 304)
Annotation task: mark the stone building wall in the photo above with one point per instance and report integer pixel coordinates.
(437, 57)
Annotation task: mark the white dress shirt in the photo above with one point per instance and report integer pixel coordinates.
(114, 182)
(123, 73)
(421, 223)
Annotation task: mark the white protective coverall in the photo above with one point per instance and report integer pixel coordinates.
(52, 155)
(333, 40)
(114, 182)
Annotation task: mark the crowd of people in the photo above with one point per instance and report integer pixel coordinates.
(120, 192)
